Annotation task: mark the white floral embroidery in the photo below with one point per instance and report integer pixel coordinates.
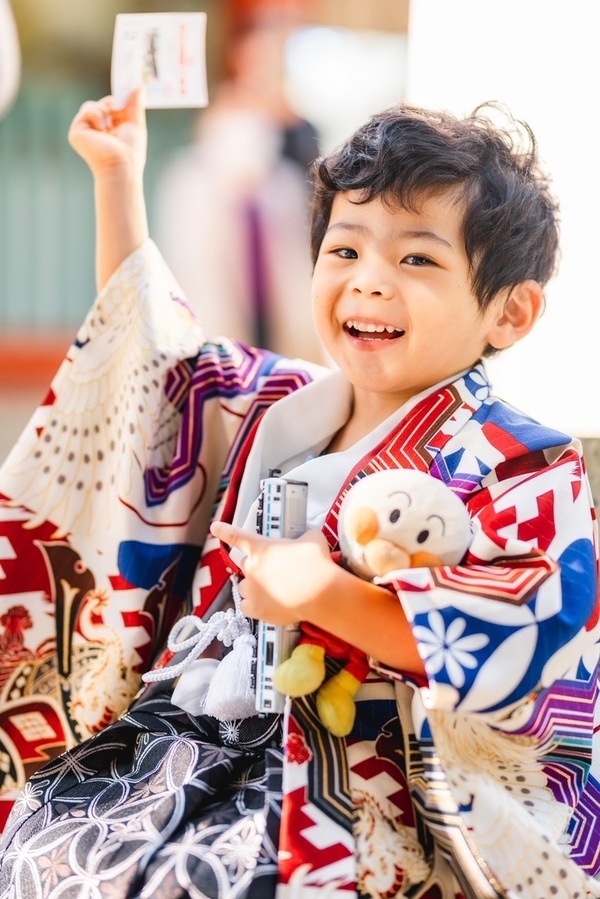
(28, 799)
(239, 849)
(230, 731)
(445, 647)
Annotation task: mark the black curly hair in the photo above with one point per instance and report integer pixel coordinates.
(405, 154)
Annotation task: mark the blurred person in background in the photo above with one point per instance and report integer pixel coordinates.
(10, 57)
(231, 209)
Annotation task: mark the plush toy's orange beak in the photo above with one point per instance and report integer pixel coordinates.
(382, 555)
(425, 560)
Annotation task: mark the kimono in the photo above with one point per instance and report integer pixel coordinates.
(481, 780)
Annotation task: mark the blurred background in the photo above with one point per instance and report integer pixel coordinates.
(300, 62)
(227, 187)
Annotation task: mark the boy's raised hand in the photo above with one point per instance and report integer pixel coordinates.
(113, 143)
(107, 137)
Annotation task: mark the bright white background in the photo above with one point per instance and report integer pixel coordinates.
(542, 59)
(338, 77)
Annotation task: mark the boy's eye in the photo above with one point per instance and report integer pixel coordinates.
(415, 259)
(346, 253)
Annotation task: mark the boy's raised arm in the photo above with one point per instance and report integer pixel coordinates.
(113, 143)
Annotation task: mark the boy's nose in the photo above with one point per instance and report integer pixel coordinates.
(371, 288)
(370, 282)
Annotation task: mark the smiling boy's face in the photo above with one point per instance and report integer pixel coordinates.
(392, 297)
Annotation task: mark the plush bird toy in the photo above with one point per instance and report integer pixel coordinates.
(389, 520)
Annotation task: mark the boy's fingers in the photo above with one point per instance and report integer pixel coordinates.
(91, 113)
(134, 106)
(234, 537)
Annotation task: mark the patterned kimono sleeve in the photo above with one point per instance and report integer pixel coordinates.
(141, 414)
(105, 502)
(521, 612)
(105, 407)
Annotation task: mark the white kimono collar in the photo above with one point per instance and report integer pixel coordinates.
(296, 422)
(307, 418)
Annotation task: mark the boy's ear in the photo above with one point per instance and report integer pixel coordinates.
(516, 315)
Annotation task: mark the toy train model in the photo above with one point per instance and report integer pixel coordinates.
(281, 513)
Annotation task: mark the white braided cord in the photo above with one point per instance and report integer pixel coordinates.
(224, 626)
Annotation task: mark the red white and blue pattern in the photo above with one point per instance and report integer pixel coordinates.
(482, 782)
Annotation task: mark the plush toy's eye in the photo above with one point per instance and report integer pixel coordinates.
(394, 515)
(437, 529)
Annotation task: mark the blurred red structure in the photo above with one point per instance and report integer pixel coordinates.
(29, 361)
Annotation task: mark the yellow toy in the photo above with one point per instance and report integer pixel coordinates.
(388, 521)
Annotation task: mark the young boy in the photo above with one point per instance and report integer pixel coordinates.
(471, 769)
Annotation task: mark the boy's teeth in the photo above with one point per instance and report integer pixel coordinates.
(371, 328)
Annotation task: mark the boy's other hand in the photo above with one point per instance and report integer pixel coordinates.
(108, 138)
(283, 579)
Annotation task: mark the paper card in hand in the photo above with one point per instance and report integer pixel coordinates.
(165, 54)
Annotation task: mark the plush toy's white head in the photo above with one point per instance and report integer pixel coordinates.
(401, 519)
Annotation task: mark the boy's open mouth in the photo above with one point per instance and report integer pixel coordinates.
(368, 331)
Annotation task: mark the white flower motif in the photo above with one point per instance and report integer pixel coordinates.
(230, 731)
(29, 798)
(481, 391)
(446, 647)
(240, 845)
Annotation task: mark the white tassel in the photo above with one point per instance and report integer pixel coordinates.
(226, 691)
(192, 685)
(230, 693)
